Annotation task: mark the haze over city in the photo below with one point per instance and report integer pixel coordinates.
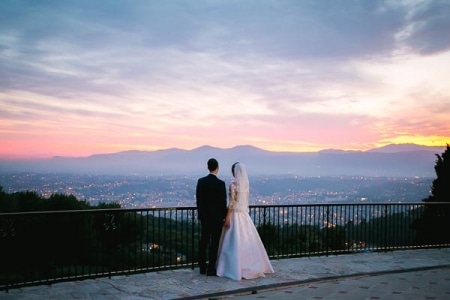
(83, 77)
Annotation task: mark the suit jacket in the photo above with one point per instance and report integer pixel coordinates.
(211, 197)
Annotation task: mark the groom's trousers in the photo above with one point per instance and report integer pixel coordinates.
(211, 231)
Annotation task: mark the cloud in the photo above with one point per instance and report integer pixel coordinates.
(158, 68)
(81, 45)
(428, 27)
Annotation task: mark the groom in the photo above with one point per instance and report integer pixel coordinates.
(211, 197)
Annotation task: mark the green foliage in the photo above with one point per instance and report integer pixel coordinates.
(334, 237)
(167, 239)
(434, 226)
(22, 201)
(440, 190)
(294, 239)
(65, 202)
(29, 201)
(269, 236)
(103, 205)
(43, 242)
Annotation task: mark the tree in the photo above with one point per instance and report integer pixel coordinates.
(65, 202)
(434, 225)
(440, 190)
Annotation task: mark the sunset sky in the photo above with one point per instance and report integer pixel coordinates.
(83, 77)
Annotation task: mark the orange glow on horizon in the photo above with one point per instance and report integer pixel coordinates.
(23, 150)
(430, 141)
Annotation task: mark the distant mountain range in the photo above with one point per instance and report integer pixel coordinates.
(400, 160)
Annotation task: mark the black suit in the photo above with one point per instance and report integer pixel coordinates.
(211, 197)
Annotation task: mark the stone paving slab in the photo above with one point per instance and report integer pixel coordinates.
(424, 284)
(316, 274)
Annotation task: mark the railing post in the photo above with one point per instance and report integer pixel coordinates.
(386, 225)
(327, 246)
(193, 239)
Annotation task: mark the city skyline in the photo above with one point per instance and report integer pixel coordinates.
(82, 77)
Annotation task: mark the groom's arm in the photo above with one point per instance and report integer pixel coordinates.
(199, 199)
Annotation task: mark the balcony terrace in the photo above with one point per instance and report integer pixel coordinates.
(151, 253)
(403, 274)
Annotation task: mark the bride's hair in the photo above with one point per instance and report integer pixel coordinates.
(232, 168)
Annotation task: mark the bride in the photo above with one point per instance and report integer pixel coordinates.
(241, 251)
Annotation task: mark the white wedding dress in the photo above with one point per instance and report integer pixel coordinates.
(241, 251)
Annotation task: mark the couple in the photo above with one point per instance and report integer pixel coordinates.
(235, 248)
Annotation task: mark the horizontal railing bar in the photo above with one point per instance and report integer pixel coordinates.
(195, 208)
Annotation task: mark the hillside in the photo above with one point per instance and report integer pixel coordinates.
(393, 160)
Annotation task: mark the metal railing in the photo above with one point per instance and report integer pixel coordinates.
(47, 247)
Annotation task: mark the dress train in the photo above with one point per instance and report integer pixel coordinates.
(241, 251)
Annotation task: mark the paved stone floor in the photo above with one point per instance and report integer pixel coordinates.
(401, 274)
(424, 284)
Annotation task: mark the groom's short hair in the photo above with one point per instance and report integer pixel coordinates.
(212, 164)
